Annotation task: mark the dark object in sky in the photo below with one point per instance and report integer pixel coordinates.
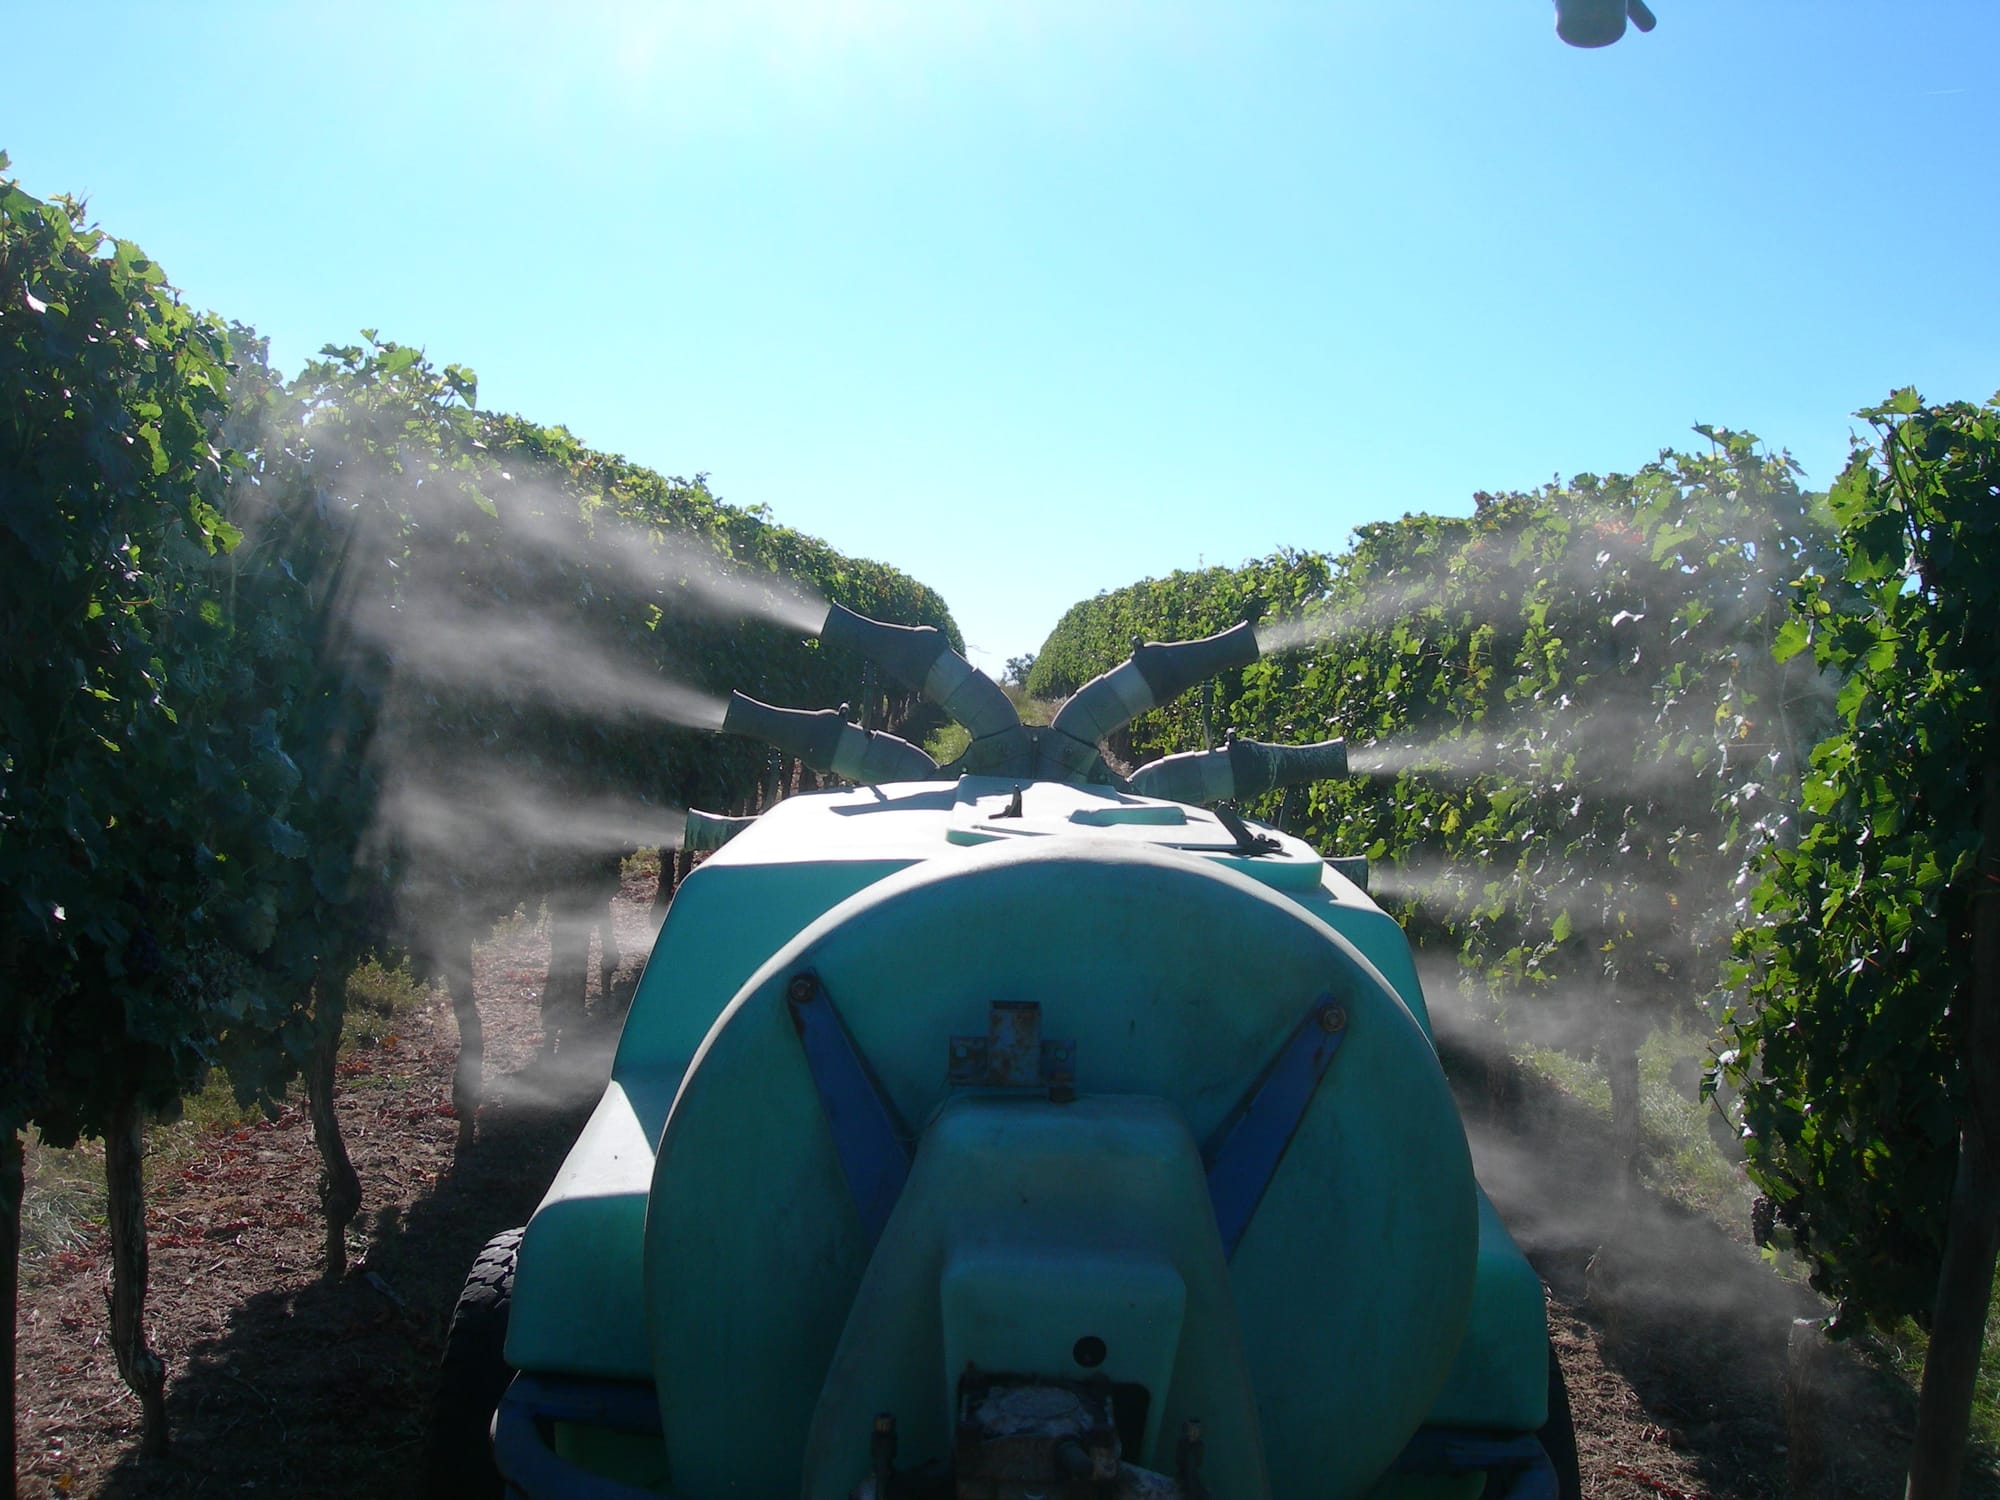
(1599, 23)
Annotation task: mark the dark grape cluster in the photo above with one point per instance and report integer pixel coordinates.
(143, 958)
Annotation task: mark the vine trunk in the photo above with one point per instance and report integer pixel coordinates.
(339, 1187)
(1972, 1232)
(125, 1185)
(569, 975)
(468, 1079)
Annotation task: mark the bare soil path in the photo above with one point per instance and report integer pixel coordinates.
(1671, 1334)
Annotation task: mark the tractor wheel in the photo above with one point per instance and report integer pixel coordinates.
(472, 1378)
(1558, 1439)
(1558, 1435)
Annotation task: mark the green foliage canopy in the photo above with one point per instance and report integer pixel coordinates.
(134, 829)
(1572, 735)
(210, 694)
(1849, 1043)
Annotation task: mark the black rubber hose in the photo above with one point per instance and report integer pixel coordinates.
(1245, 768)
(919, 657)
(814, 737)
(1258, 768)
(1154, 674)
(1196, 777)
(827, 742)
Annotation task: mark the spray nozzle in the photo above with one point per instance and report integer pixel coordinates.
(827, 742)
(707, 830)
(1242, 768)
(905, 651)
(1172, 669)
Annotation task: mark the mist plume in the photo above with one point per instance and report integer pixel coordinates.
(492, 812)
(661, 563)
(534, 656)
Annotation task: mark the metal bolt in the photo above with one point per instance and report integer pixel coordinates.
(802, 988)
(1332, 1018)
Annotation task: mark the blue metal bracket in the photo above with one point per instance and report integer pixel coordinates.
(1247, 1147)
(1518, 1460)
(529, 1467)
(873, 1147)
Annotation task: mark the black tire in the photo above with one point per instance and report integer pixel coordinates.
(1558, 1439)
(1558, 1435)
(472, 1377)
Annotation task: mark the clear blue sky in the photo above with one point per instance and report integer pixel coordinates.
(1034, 299)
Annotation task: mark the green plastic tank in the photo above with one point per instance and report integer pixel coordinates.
(1015, 1135)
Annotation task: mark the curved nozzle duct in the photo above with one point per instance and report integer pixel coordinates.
(707, 830)
(1155, 674)
(827, 742)
(919, 657)
(1243, 768)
